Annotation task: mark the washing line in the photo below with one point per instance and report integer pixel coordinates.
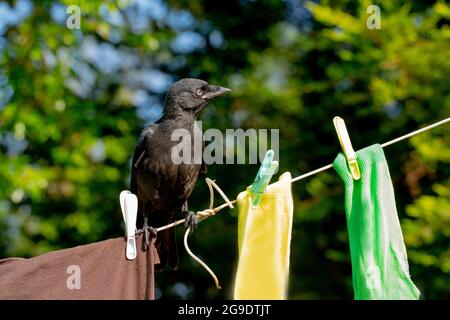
(303, 176)
(406, 136)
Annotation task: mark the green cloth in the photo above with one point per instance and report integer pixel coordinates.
(379, 261)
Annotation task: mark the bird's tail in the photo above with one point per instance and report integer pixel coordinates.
(166, 242)
(166, 246)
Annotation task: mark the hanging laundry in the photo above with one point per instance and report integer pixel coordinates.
(97, 271)
(378, 254)
(264, 236)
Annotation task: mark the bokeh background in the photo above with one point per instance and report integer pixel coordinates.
(72, 103)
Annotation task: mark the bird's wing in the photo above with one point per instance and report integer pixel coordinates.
(139, 154)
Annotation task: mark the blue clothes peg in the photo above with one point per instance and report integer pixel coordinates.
(263, 177)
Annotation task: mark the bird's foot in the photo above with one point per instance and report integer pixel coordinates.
(148, 230)
(191, 220)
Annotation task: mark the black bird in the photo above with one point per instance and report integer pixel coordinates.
(161, 184)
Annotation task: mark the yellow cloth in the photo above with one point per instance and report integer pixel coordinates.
(264, 237)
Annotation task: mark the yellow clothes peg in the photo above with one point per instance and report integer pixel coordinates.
(347, 148)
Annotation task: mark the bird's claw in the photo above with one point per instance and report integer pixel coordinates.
(191, 220)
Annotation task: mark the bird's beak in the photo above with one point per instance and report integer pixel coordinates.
(215, 91)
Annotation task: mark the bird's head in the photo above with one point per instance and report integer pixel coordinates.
(190, 96)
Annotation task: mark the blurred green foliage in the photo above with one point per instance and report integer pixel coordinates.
(69, 121)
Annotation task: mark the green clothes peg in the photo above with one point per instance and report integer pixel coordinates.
(263, 177)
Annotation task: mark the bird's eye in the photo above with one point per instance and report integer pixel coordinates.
(199, 92)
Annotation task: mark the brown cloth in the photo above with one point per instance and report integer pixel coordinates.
(98, 271)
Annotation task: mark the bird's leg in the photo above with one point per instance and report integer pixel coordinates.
(190, 216)
(147, 229)
(146, 233)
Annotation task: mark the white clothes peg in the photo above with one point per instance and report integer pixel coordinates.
(129, 206)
